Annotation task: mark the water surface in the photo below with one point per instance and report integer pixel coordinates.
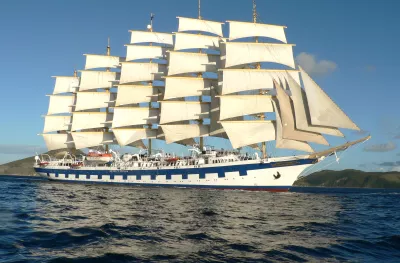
(43, 221)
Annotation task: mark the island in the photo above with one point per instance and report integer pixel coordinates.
(351, 178)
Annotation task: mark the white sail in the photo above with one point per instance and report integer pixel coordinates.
(90, 120)
(287, 116)
(175, 133)
(91, 79)
(56, 123)
(58, 141)
(194, 24)
(65, 84)
(190, 41)
(137, 71)
(243, 133)
(93, 100)
(241, 105)
(301, 110)
(283, 143)
(237, 80)
(151, 37)
(134, 52)
(239, 53)
(91, 139)
(185, 62)
(128, 116)
(173, 111)
(101, 61)
(323, 110)
(126, 136)
(138, 144)
(239, 29)
(132, 94)
(60, 104)
(179, 87)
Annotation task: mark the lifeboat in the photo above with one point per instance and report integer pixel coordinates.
(100, 158)
(172, 159)
(76, 165)
(44, 163)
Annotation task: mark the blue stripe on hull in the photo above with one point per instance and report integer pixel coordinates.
(220, 170)
(228, 187)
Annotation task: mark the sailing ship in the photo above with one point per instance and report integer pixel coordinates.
(183, 88)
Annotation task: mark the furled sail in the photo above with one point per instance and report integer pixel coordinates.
(301, 110)
(194, 24)
(179, 87)
(323, 110)
(101, 61)
(133, 94)
(92, 139)
(65, 84)
(238, 29)
(239, 53)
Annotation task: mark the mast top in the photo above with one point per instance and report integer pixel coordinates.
(108, 47)
(75, 73)
(199, 9)
(150, 27)
(254, 11)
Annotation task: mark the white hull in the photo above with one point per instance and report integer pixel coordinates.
(251, 175)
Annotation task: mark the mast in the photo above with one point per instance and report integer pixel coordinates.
(199, 75)
(57, 121)
(108, 69)
(150, 144)
(258, 66)
(184, 108)
(135, 115)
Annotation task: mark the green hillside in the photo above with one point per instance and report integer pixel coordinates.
(351, 178)
(25, 166)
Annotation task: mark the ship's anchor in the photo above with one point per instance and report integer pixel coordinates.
(277, 176)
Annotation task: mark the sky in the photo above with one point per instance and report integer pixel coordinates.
(348, 47)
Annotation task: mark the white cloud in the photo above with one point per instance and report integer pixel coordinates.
(384, 147)
(314, 67)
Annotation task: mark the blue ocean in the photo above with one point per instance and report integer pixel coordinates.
(42, 221)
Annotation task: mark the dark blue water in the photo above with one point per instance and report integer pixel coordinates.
(43, 221)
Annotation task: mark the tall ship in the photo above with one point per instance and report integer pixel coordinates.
(198, 89)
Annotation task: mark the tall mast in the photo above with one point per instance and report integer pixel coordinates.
(150, 28)
(108, 69)
(201, 139)
(199, 9)
(258, 66)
